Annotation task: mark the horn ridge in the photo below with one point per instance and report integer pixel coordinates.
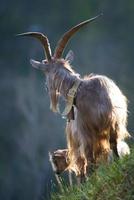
(65, 38)
(43, 39)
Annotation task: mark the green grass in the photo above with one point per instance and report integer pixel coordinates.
(110, 182)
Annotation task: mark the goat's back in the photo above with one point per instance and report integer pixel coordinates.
(100, 103)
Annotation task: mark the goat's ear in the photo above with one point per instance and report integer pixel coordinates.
(70, 56)
(50, 155)
(36, 64)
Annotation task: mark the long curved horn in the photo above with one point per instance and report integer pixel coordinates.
(65, 38)
(43, 39)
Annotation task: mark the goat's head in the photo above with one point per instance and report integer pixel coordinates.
(47, 64)
(55, 64)
(59, 160)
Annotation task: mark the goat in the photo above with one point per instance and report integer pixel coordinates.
(60, 163)
(95, 107)
(59, 160)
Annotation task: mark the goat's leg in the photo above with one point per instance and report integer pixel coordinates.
(117, 137)
(70, 178)
(113, 142)
(59, 181)
(80, 178)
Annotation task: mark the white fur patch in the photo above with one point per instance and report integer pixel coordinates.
(52, 163)
(123, 149)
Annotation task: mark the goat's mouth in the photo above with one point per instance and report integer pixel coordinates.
(57, 172)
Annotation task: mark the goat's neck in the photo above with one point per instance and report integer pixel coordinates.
(66, 82)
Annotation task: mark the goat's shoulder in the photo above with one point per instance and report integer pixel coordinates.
(95, 80)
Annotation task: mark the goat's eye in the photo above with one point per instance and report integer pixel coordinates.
(44, 61)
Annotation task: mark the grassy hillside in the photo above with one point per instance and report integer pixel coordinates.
(112, 182)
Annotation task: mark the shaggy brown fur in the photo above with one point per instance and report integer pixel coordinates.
(59, 160)
(100, 108)
(60, 163)
(100, 115)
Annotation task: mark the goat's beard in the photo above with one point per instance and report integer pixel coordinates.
(54, 87)
(58, 82)
(54, 96)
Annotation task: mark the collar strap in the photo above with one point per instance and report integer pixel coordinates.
(70, 97)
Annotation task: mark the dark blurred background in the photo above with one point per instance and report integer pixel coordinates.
(28, 129)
